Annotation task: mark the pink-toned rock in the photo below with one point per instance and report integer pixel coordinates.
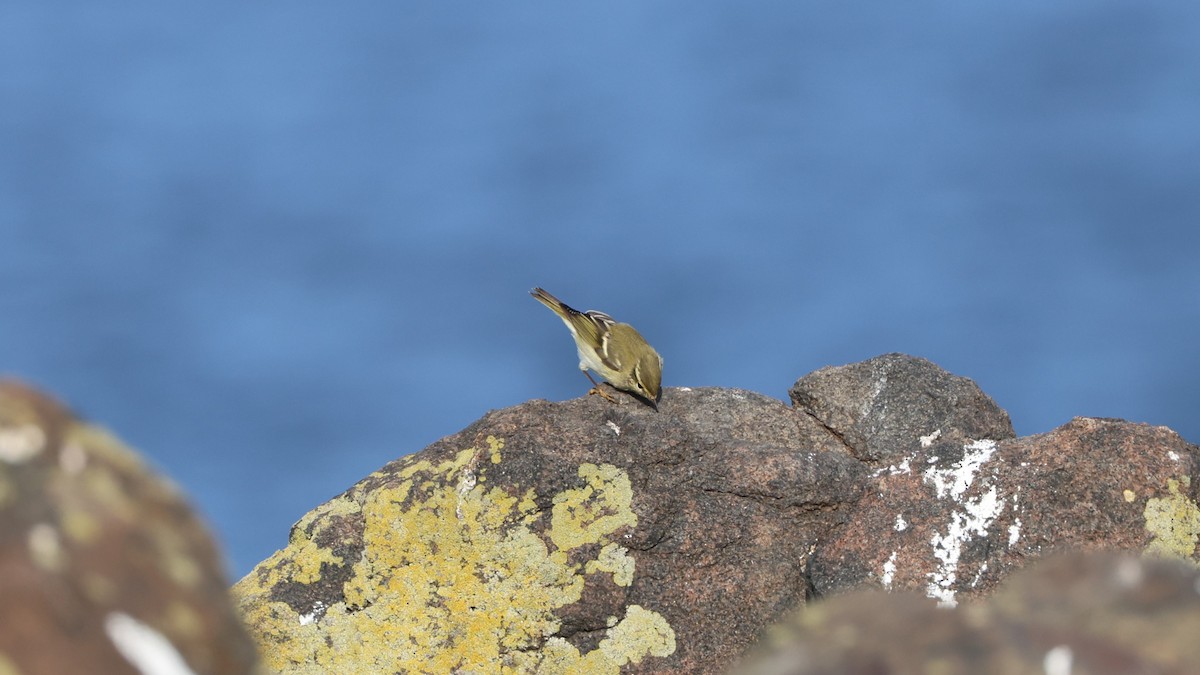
(1095, 614)
(648, 542)
(104, 568)
(954, 518)
(590, 537)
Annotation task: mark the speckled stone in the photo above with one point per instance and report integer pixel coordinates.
(105, 567)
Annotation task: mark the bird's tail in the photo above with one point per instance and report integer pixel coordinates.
(557, 306)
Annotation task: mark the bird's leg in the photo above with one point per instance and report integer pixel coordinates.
(597, 390)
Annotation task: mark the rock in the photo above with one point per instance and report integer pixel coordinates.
(568, 537)
(596, 538)
(1103, 614)
(106, 567)
(881, 408)
(952, 519)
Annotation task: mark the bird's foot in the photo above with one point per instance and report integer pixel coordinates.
(608, 397)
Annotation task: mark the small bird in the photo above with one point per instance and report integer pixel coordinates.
(616, 351)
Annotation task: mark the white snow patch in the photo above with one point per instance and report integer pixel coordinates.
(145, 648)
(901, 524)
(1173, 455)
(614, 426)
(927, 441)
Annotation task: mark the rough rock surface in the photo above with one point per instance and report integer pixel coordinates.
(954, 517)
(571, 537)
(105, 568)
(880, 409)
(1103, 614)
(596, 538)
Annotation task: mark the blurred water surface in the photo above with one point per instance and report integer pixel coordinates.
(275, 247)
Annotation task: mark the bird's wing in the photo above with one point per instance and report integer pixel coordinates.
(598, 327)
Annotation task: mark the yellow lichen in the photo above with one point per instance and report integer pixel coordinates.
(641, 633)
(495, 445)
(615, 560)
(303, 558)
(470, 588)
(586, 515)
(1174, 521)
(183, 620)
(103, 445)
(323, 513)
(528, 506)
(175, 557)
(305, 565)
(104, 487)
(456, 580)
(99, 588)
(81, 527)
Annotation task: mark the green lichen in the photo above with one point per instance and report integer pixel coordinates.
(455, 578)
(1174, 521)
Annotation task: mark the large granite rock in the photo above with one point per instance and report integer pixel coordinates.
(589, 537)
(882, 408)
(567, 537)
(953, 518)
(105, 568)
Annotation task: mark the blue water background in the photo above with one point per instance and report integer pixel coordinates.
(276, 245)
